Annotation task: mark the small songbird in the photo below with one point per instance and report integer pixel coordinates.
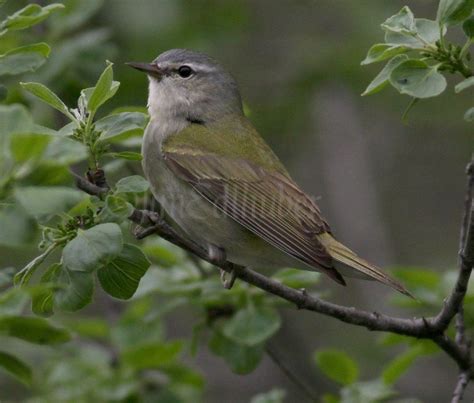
(222, 184)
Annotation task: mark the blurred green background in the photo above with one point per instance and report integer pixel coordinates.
(391, 191)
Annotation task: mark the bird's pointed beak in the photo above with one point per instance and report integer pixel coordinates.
(149, 68)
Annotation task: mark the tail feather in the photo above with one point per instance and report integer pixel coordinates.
(362, 268)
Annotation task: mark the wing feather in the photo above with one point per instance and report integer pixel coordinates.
(231, 166)
(266, 203)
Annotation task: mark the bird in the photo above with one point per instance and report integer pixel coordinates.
(222, 184)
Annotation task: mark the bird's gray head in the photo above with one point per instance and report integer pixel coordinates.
(190, 86)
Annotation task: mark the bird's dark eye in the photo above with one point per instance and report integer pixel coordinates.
(185, 71)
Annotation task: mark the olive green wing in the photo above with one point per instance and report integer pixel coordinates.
(256, 192)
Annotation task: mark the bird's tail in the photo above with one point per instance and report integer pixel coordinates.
(351, 265)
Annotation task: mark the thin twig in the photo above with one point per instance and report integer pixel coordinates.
(290, 375)
(460, 354)
(86, 186)
(461, 385)
(460, 326)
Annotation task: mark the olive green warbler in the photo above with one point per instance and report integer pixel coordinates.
(223, 185)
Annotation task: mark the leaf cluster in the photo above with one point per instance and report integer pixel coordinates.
(419, 55)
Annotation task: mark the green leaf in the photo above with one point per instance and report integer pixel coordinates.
(102, 89)
(402, 22)
(121, 126)
(252, 326)
(39, 130)
(6, 276)
(392, 339)
(396, 368)
(120, 277)
(132, 184)
(330, 398)
(241, 359)
(24, 59)
(115, 210)
(42, 302)
(16, 226)
(468, 27)
(138, 326)
(93, 328)
(451, 12)
(274, 396)
(75, 15)
(468, 82)
(417, 79)
(15, 367)
(48, 96)
(64, 151)
(371, 391)
(87, 93)
(48, 173)
(382, 51)
(469, 115)
(24, 275)
(28, 146)
(296, 278)
(29, 16)
(382, 79)
(427, 31)
(13, 301)
(41, 201)
(76, 290)
(15, 119)
(127, 155)
(93, 248)
(183, 375)
(160, 253)
(33, 330)
(337, 365)
(152, 355)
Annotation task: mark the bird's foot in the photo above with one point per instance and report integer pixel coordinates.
(149, 222)
(218, 257)
(228, 283)
(153, 217)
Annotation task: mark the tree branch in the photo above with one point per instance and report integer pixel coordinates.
(461, 385)
(87, 186)
(428, 328)
(466, 258)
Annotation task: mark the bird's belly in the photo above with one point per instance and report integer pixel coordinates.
(186, 207)
(206, 224)
(202, 221)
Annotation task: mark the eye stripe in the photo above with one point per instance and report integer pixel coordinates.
(198, 67)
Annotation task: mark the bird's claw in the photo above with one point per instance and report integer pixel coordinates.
(218, 257)
(154, 217)
(228, 282)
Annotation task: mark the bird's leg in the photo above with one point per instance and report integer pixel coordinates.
(218, 257)
(228, 283)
